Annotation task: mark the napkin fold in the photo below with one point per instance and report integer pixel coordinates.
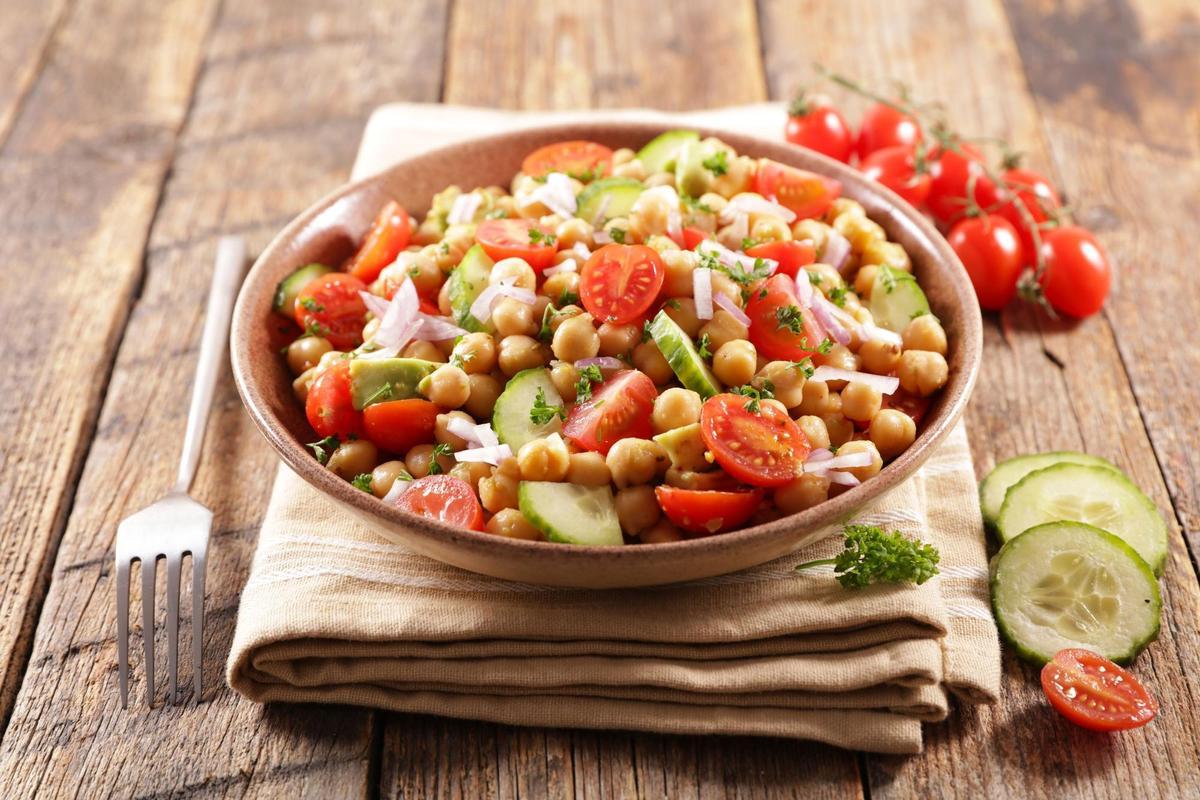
(333, 612)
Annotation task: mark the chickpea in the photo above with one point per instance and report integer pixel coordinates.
(419, 461)
(427, 351)
(475, 353)
(737, 178)
(484, 389)
(860, 401)
(576, 338)
(448, 386)
(879, 356)
(561, 284)
(385, 476)
(660, 179)
(648, 359)
(622, 155)
(683, 311)
(565, 377)
(824, 277)
(544, 459)
(472, 472)
(518, 353)
(699, 481)
(892, 254)
(787, 379)
(734, 362)
(563, 314)
(769, 228)
(803, 493)
(864, 280)
(422, 270)
(441, 429)
(816, 396)
(678, 266)
(572, 232)
(511, 523)
(618, 340)
(620, 224)
(305, 353)
(636, 461)
(301, 385)
(445, 347)
(444, 300)
(661, 243)
(637, 509)
(723, 284)
(499, 491)
(675, 408)
(863, 446)
(922, 372)
(588, 469)
(841, 357)
(860, 230)
(723, 328)
(689, 453)
(515, 272)
(813, 230)
(925, 333)
(892, 431)
(661, 532)
(814, 428)
(514, 318)
(841, 430)
(353, 458)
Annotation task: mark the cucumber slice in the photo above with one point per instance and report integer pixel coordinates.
(1097, 496)
(1067, 584)
(692, 178)
(997, 483)
(376, 380)
(510, 416)
(567, 512)
(896, 299)
(608, 198)
(659, 153)
(289, 288)
(677, 348)
(467, 280)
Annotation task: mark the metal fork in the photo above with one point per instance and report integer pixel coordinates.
(177, 525)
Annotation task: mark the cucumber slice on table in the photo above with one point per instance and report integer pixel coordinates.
(289, 288)
(510, 416)
(1098, 496)
(467, 280)
(567, 512)
(896, 299)
(659, 153)
(677, 348)
(1067, 584)
(607, 199)
(1002, 477)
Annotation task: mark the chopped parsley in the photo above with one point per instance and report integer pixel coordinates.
(823, 347)
(440, 449)
(790, 317)
(314, 328)
(717, 163)
(583, 387)
(444, 248)
(461, 360)
(673, 303)
(546, 333)
(805, 365)
(874, 556)
(324, 448)
(310, 304)
(748, 242)
(696, 204)
(837, 296)
(704, 346)
(537, 237)
(617, 235)
(362, 481)
(814, 278)
(889, 280)
(646, 334)
(414, 271)
(756, 395)
(542, 412)
(567, 298)
(496, 213)
(760, 270)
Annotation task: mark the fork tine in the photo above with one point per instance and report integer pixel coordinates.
(148, 568)
(198, 557)
(174, 564)
(123, 627)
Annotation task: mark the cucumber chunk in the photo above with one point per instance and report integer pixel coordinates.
(1067, 584)
(1097, 496)
(608, 198)
(896, 299)
(510, 416)
(691, 176)
(1002, 477)
(467, 280)
(659, 153)
(377, 380)
(677, 348)
(567, 512)
(289, 288)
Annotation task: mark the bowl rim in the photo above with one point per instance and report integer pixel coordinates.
(293, 454)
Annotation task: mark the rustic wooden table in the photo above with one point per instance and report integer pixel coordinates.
(132, 134)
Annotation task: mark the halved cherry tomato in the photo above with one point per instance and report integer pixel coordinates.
(761, 448)
(619, 409)
(791, 255)
(579, 159)
(707, 512)
(389, 235)
(898, 169)
(1095, 693)
(330, 306)
(694, 236)
(620, 281)
(953, 171)
(1038, 196)
(1078, 272)
(814, 123)
(509, 238)
(884, 126)
(330, 407)
(806, 193)
(990, 249)
(398, 425)
(444, 498)
(780, 329)
(913, 405)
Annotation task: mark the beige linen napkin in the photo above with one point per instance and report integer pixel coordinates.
(332, 612)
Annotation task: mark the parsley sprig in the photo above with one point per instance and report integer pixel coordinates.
(875, 556)
(583, 387)
(439, 450)
(362, 481)
(717, 163)
(539, 237)
(324, 448)
(704, 346)
(756, 394)
(542, 412)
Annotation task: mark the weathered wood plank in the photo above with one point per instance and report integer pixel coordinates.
(275, 121)
(27, 33)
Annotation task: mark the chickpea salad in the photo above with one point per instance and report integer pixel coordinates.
(621, 347)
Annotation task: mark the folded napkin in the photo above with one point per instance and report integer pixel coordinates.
(332, 612)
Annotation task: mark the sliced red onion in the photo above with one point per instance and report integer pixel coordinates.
(399, 487)
(848, 461)
(437, 329)
(603, 362)
(726, 303)
(755, 204)
(884, 384)
(600, 209)
(463, 210)
(556, 194)
(486, 436)
(870, 331)
(481, 308)
(843, 478)
(400, 322)
(580, 249)
(733, 259)
(489, 455)
(821, 309)
(375, 304)
(820, 454)
(568, 265)
(463, 429)
(837, 250)
(601, 236)
(804, 288)
(702, 292)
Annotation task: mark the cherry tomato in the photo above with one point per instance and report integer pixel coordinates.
(1095, 693)
(1039, 198)
(444, 498)
(620, 281)
(952, 172)
(763, 448)
(510, 238)
(579, 159)
(330, 306)
(990, 249)
(806, 193)
(884, 126)
(791, 255)
(619, 409)
(897, 169)
(388, 236)
(780, 329)
(913, 405)
(694, 236)
(707, 512)
(398, 425)
(330, 407)
(814, 123)
(1078, 272)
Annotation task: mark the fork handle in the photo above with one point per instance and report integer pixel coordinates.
(227, 277)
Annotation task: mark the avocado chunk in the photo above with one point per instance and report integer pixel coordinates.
(685, 447)
(377, 380)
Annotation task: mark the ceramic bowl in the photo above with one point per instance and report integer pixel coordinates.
(327, 232)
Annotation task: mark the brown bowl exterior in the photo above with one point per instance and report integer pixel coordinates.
(327, 232)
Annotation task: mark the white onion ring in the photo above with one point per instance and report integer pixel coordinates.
(884, 384)
(489, 455)
(726, 303)
(702, 292)
(463, 429)
(848, 461)
(567, 265)
(837, 250)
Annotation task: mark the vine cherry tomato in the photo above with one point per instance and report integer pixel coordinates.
(1095, 693)
(952, 172)
(619, 409)
(619, 282)
(780, 329)
(806, 193)
(445, 498)
(898, 169)
(884, 126)
(388, 236)
(579, 159)
(398, 425)
(514, 238)
(1038, 196)
(814, 123)
(1078, 272)
(791, 255)
(761, 448)
(330, 306)
(707, 512)
(990, 248)
(330, 406)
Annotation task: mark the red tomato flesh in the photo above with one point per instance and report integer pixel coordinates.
(618, 409)
(707, 512)
(509, 238)
(806, 193)
(444, 498)
(762, 449)
(398, 425)
(772, 338)
(388, 236)
(693, 237)
(620, 281)
(791, 255)
(579, 159)
(329, 405)
(331, 307)
(1095, 693)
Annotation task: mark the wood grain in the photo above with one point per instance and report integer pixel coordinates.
(274, 123)
(27, 33)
